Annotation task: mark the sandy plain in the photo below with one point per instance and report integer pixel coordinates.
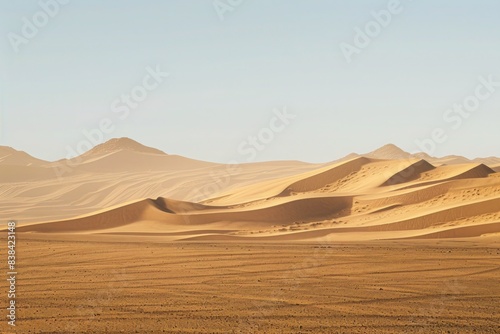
(74, 286)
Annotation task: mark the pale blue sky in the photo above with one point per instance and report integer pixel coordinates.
(226, 77)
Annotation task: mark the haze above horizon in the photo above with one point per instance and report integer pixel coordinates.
(286, 80)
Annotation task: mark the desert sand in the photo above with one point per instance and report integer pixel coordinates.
(75, 286)
(126, 237)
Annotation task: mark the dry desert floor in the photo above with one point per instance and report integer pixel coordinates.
(67, 285)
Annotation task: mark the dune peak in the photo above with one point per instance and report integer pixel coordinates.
(119, 144)
(388, 151)
(11, 156)
(6, 150)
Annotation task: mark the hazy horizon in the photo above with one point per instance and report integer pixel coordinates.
(77, 153)
(230, 71)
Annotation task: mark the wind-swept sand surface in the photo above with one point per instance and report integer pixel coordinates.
(114, 173)
(146, 287)
(126, 237)
(361, 198)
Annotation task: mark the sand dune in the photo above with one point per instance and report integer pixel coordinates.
(17, 173)
(388, 152)
(412, 172)
(12, 157)
(463, 232)
(126, 155)
(490, 161)
(124, 188)
(119, 144)
(131, 161)
(116, 172)
(392, 152)
(320, 179)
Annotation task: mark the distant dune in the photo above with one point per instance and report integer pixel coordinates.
(12, 157)
(392, 152)
(124, 188)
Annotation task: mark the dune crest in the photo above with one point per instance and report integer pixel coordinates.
(118, 144)
(12, 157)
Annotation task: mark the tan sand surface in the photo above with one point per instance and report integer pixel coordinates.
(129, 239)
(380, 199)
(136, 286)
